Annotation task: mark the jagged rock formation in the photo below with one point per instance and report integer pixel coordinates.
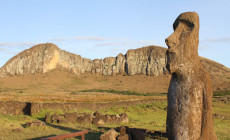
(149, 60)
(45, 57)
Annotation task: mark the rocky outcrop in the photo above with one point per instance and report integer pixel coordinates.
(147, 60)
(150, 60)
(45, 57)
(110, 135)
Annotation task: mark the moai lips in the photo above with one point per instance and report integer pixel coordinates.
(189, 113)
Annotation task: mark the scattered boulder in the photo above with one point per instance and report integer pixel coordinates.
(36, 123)
(87, 118)
(123, 115)
(218, 116)
(127, 133)
(125, 120)
(137, 134)
(122, 130)
(123, 137)
(56, 118)
(71, 117)
(98, 121)
(95, 118)
(97, 114)
(64, 120)
(224, 99)
(17, 130)
(110, 135)
(48, 118)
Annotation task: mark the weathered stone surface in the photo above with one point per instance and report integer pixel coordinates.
(87, 118)
(96, 118)
(110, 135)
(122, 130)
(137, 134)
(98, 121)
(45, 57)
(64, 120)
(123, 137)
(71, 117)
(147, 60)
(56, 118)
(48, 118)
(36, 123)
(18, 130)
(189, 113)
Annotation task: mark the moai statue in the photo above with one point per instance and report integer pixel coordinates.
(189, 114)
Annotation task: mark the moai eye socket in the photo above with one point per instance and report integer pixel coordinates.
(189, 24)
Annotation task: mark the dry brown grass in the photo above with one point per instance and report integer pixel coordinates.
(59, 86)
(81, 97)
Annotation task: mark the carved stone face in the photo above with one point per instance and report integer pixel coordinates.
(182, 45)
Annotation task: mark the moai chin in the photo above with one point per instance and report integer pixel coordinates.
(189, 114)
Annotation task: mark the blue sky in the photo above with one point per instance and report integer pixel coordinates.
(103, 28)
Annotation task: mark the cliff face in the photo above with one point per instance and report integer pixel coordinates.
(149, 60)
(45, 57)
(40, 58)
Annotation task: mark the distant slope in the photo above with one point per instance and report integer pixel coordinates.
(150, 60)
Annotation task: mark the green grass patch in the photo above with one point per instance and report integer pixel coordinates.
(42, 114)
(221, 93)
(124, 92)
(147, 116)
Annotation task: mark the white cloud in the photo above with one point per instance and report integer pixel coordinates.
(2, 49)
(126, 43)
(146, 42)
(17, 44)
(3, 44)
(227, 39)
(90, 38)
(111, 44)
(16, 52)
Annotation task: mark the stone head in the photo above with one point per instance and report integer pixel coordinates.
(183, 42)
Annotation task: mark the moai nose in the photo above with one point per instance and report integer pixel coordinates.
(166, 41)
(170, 43)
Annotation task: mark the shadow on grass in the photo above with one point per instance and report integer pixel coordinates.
(88, 136)
(38, 138)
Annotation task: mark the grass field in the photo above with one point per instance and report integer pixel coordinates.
(148, 116)
(62, 87)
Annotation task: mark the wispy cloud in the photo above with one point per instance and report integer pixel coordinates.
(227, 39)
(113, 44)
(2, 49)
(15, 52)
(3, 44)
(146, 42)
(126, 43)
(17, 44)
(90, 38)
